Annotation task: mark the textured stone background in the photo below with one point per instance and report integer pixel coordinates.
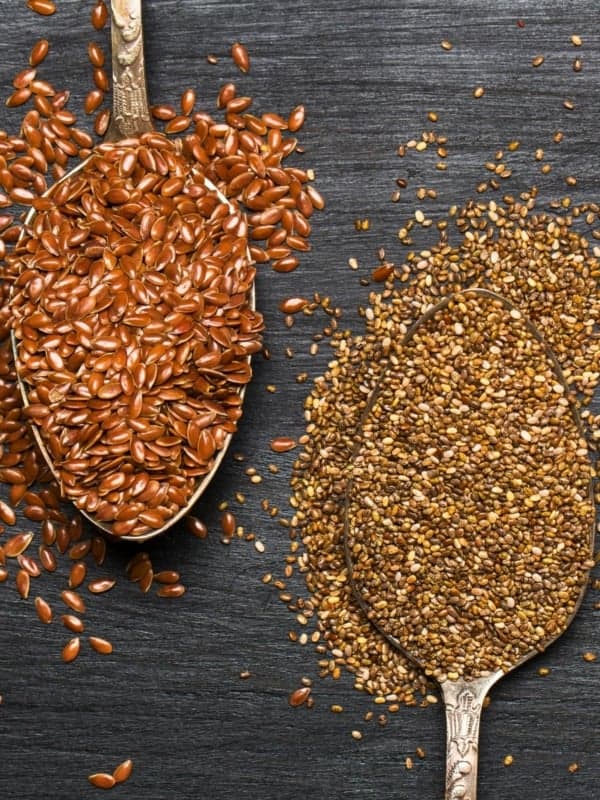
(170, 696)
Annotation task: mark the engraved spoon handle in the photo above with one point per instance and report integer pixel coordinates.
(464, 701)
(130, 114)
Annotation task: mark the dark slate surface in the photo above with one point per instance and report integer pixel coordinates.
(170, 696)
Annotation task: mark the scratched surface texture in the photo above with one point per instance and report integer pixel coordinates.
(170, 696)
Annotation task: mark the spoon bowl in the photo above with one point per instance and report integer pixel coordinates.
(395, 596)
(130, 119)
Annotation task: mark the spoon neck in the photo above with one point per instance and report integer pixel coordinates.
(464, 702)
(130, 114)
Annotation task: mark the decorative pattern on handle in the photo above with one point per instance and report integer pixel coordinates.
(463, 737)
(130, 115)
(464, 701)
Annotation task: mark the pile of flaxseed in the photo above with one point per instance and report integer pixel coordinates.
(105, 230)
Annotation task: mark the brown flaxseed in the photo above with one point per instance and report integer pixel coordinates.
(101, 585)
(73, 600)
(102, 780)
(171, 590)
(190, 446)
(44, 610)
(99, 15)
(299, 696)
(102, 646)
(39, 51)
(44, 7)
(71, 649)
(240, 56)
(282, 444)
(123, 771)
(73, 623)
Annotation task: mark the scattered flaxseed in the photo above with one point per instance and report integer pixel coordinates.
(123, 771)
(507, 760)
(299, 696)
(102, 646)
(44, 610)
(71, 650)
(240, 56)
(283, 444)
(39, 51)
(44, 7)
(102, 780)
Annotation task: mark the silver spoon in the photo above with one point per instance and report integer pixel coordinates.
(463, 698)
(130, 118)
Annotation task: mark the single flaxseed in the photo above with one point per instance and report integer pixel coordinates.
(23, 582)
(44, 610)
(196, 527)
(77, 575)
(299, 696)
(71, 649)
(73, 600)
(240, 56)
(39, 51)
(283, 444)
(73, 623)
(43, 7)
(102, 646)
(99, 15)
(101, 585)
(102, 780)
(171, 590)
(123, 771)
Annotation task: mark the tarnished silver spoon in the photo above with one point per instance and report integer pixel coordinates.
(130, 118)
(463, 697)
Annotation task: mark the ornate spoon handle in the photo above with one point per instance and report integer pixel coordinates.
(464, 701)
(130, 115)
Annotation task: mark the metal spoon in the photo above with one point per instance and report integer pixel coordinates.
(463, 698)
(130, 118)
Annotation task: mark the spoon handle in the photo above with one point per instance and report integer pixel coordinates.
(463, 701)
(130, 115)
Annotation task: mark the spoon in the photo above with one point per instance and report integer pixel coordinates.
(464, 694)
(130, 118)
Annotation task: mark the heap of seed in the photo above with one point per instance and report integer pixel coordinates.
(244, 155)
(247, 156)
(134, 329)
(536, 259)
(469, 518)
